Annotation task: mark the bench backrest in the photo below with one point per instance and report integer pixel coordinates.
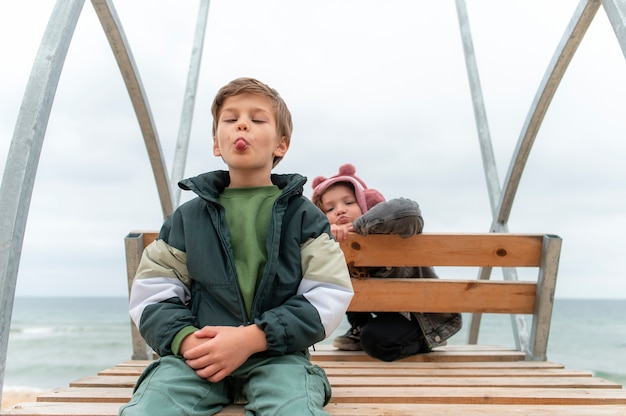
(470, 295)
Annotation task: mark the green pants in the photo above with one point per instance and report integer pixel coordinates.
(286, 385)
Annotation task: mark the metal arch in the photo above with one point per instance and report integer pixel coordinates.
(23, 158)
(121, 50)
(572, 37)
(570, 40)
(574, 33)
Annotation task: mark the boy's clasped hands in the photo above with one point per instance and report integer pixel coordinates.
(214, 352)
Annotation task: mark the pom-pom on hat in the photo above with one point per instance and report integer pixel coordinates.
(365, 197)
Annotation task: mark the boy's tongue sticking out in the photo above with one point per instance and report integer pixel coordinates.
(241, 145)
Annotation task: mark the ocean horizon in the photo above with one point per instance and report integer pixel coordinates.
(56, 340)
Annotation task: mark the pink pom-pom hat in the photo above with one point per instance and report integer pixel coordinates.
(365, 197)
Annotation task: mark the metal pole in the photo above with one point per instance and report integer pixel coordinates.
(520, 332)
(616, 11)
(180, 155)
(23, 158)
(480, 114)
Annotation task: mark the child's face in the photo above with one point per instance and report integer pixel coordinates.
(246, 136)
(340, 205)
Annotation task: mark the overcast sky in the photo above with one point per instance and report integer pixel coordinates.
(380, 84)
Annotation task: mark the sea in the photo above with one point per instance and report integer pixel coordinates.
(54, 341)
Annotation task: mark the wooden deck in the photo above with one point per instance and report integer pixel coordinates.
(462, 380)
(455, 380)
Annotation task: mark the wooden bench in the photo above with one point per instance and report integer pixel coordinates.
(453, 380)
(437, 295)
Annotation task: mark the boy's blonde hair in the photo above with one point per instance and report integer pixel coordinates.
(238, 86)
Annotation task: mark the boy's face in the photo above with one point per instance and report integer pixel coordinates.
(246, 136)
(340, 205)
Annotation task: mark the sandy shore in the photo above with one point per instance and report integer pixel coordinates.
(12, 397)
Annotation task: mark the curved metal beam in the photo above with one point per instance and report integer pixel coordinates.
(23, 158)
(115, 35)
(570, 40)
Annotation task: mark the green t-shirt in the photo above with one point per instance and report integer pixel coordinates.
(248, 214)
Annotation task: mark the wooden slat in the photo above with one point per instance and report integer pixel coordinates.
(430, 249)
(554, 381)
(443, 295)
(87, 409)
(407, 409)
(447, 354)
(367, 371)
(436, 249)
(393, 393)
(63, 409)
(134, 363)
(403, 377)
(439, 368)
(121, 371)
(371, 371)
(434, 357)
(105, 381)
(452, 372)
(129, 368)
(498, 249)
(441, 365)
(482, 395)
(88, 395)
(348, 409)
